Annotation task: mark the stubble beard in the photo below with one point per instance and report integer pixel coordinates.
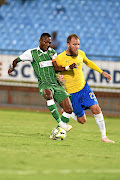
(73, 53)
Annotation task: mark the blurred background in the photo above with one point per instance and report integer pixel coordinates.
(96, 22)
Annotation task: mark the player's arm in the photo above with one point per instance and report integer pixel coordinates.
(108, 76)
(60, 78)
(60, 68)
(93, 66)
(14, 64)
(26, 56)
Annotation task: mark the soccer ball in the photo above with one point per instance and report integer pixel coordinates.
(58, 133)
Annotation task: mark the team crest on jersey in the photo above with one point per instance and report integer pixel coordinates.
(51, 54)
(79, 63)
(81, 58)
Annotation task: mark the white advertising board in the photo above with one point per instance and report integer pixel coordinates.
(25, 73)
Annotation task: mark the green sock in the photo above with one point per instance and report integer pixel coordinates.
(64, 119)
(54, 111)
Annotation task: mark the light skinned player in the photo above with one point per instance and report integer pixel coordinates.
(82, 97)
(49, 87)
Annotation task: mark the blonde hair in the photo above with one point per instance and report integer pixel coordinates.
(70, 37)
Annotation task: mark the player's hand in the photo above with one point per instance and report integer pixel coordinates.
(10, 71)
(73, 66)
(61, 78)
(108, 76)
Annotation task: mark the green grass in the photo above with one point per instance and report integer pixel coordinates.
(27, 153)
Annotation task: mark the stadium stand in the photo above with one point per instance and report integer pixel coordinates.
(95, 22)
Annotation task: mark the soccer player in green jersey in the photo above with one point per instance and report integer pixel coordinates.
(49, 87)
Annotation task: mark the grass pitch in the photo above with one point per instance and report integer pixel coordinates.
(27, 153)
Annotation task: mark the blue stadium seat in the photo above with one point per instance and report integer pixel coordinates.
(96, 23)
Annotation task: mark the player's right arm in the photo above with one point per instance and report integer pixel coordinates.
(13, 66)
(60, 68)
(26, 56)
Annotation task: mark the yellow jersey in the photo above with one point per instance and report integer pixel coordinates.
(74, 79)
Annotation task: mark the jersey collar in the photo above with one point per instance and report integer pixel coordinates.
(38, 49)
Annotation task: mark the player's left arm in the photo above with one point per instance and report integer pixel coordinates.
(93, 66)
(60, 78)
(56, 67)
(108, 76)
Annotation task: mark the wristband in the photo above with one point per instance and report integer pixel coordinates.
(67, 68)
(11, 66)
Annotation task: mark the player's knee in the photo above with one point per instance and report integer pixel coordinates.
(69, 110)
(47, 94)
(81, 120)
(62, 110)
(96, 110)
(66, 105)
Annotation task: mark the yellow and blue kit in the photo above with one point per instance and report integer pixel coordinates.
(82, 97)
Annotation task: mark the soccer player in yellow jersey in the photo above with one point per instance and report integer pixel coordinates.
(82, 97)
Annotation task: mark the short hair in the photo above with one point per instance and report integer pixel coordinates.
(45, 34)
(70, 37)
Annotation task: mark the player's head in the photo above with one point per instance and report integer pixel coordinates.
(45, 41)
(73, 43)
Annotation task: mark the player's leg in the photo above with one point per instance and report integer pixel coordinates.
(73, 115)
(67, 109)
(48, 95)
(99, 119)
(96, 110)
(90, 101)
(78, 113)
(47, 91)
(82, 119)
(63, 100)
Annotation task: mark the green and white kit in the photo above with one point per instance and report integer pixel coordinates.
(44, 70)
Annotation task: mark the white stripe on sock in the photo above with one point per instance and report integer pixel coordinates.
(73, 116)
(67, 115)
(50, 102)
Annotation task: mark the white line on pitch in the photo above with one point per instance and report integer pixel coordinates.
(78, 171)
(61, 171)
(19, 172)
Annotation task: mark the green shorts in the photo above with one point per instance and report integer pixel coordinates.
(58, 91)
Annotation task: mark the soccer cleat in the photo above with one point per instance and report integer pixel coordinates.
(68, 128)
(51, 136)
(65, 126)
(107, 140)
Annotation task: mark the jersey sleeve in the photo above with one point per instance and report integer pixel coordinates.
(91, 64)
(58, 61)
(54, 56)
(26, 56)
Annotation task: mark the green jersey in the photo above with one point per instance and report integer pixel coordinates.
(42, 64)
(43, 67)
